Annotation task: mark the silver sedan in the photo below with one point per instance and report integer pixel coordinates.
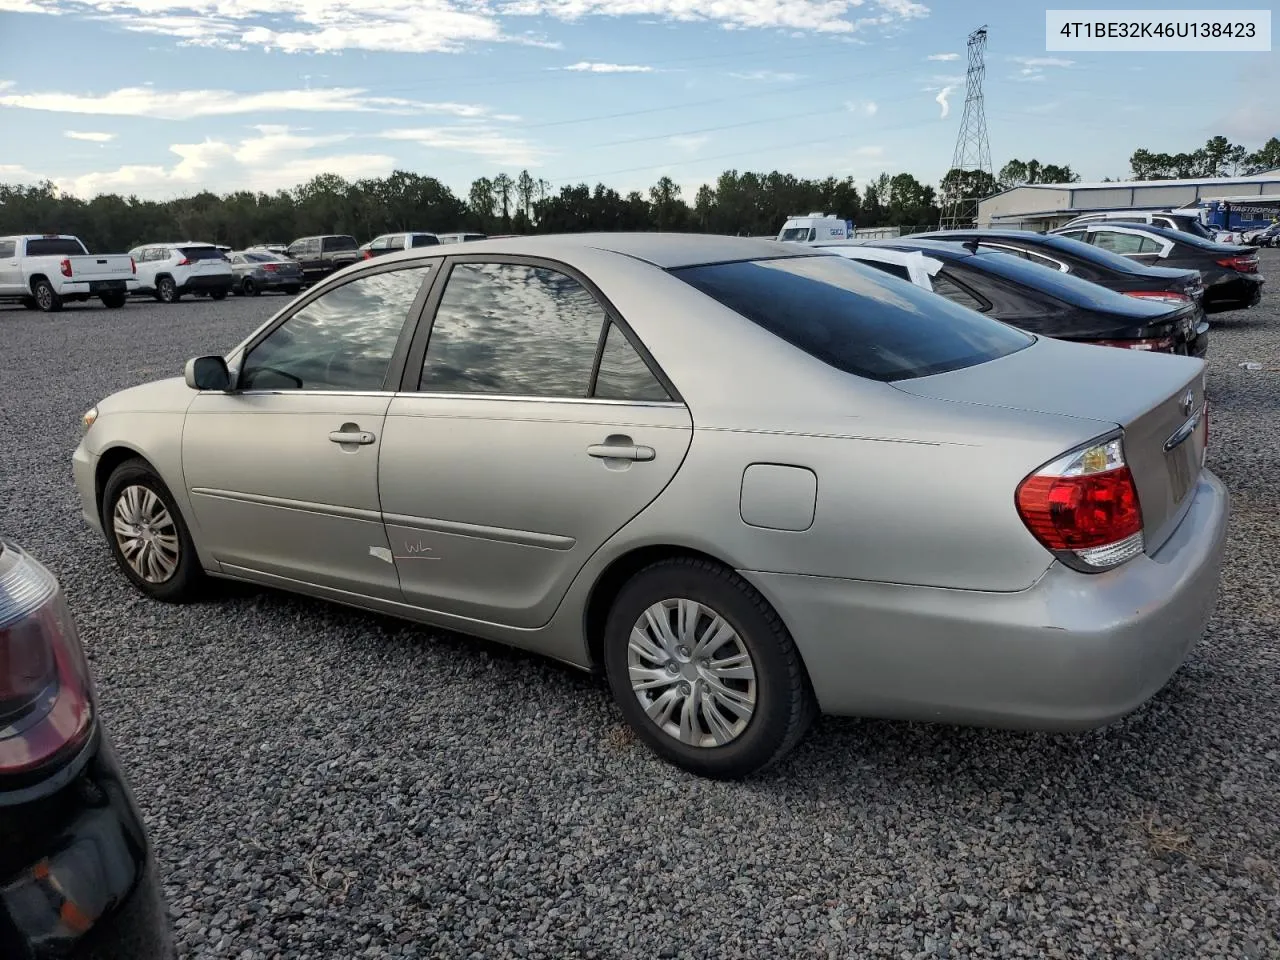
(261, 269)
(750, 481)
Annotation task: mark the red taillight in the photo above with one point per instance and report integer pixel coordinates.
(368, 254)
(1084, 507)
(133, 265)
(1240, 264)
(65, 267)
(270, 267)
(46, 700)
(1163, 296)
(1155, 344)
(184, 262)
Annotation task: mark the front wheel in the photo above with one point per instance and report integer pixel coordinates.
(147, 534)
(45, 297)
(113, 301)
(704, 670)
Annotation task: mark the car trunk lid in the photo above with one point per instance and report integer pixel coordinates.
(1158, 401)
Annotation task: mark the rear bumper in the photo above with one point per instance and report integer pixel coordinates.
(80, 882)
(218, 282)
(276, 282)
(1241, 289)
(1072, 652)
(94, 288)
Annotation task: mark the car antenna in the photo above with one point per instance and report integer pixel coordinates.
(971, 244)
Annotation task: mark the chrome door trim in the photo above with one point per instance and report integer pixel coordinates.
(527, 538)
(283, 503)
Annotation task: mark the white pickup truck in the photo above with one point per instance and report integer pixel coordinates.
(42, 272)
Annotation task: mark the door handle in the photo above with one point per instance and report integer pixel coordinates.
(351, 436)
(620, 451)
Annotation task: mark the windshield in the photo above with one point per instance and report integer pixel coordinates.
(55, 247)
(794, 234)
(855, 318)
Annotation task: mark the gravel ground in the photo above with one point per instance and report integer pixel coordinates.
(324, 783)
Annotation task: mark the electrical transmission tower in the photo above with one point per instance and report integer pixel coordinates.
(973, 150)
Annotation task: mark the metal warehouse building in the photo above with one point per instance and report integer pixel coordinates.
(1044, 206)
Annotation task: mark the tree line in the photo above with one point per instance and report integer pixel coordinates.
(747, 203)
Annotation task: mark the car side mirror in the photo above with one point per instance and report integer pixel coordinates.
(208, 373)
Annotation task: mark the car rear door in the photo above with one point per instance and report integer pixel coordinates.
(10, 269)
(282, 472)
(530, 428)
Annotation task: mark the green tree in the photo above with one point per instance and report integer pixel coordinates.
(1267, 157)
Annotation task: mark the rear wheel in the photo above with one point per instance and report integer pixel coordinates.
(45, 297)
(248, 287)
(113, 301)
(704, 670)
(147, 535)
(167, 290)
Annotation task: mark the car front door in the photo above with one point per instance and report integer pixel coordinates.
(10, 269)
(530, 429)
(283, 470)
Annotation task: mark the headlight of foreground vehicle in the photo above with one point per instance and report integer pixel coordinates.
(90, 416)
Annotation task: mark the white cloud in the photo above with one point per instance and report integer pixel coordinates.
(943, 56)
(867, 108)
(422, 26)
(275, 158)
(587, 66)
(771, 75)
(689, 143)
(941, 99)
(492, 144)
(89, 137)
(870, 150)
(185, 104)
(1043, 61)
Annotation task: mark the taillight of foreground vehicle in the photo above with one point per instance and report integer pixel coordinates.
(46, 697)
(1241, 264)
(1160, 296)
(1084, 507)
(1155, 344)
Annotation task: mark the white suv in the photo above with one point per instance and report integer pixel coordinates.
(168, 270)
(1181, 220)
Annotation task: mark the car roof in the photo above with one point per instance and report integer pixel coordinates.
(665, 250)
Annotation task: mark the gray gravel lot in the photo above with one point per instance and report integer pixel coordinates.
(320, 782)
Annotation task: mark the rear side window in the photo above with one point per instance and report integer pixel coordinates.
(54, 247)
(893, 269)
(201, 253)
(853, 318)
(623, 374)
(8, 248)
(425, 240)
(340, 243)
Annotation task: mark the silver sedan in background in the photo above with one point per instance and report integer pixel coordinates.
(750, 481)
(257, 270)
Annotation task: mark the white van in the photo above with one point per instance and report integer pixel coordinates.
(814, 228)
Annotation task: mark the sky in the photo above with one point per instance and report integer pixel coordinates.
(162, 98)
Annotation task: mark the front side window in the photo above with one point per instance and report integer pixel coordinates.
(341, 341)
(396, 242)
(623, 374)
(380, 243)
(511, 329)
(854, 318)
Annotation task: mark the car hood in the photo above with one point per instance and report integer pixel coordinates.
(160, 396)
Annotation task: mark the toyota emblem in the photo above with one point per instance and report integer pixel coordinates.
(1188, 401)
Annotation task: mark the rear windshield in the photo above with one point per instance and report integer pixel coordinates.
(856, 318)
(202, 253)
(341, 243)
(54, 247)
(262, 257)
(1083, 250)
(1062, 286)
(1194, 226)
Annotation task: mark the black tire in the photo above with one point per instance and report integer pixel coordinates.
(249, 288)
(45, 298)
(784, 700)
(167, 290)
(29, 303)
(187, 582)
(293, 291)
(114, 301)
(218, 294)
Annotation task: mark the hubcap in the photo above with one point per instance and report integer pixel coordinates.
(145, 533)
(692, 673)
(43, 296)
